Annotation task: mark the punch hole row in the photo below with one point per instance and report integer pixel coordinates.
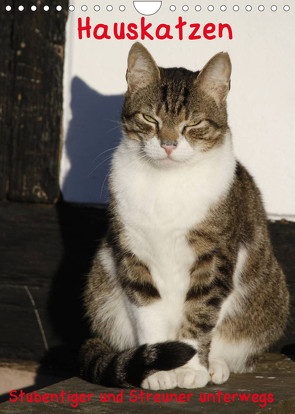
(172, 8)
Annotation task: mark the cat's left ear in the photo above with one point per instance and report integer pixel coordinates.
(142, 69)
(214, 78)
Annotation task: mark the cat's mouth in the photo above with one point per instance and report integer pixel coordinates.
(167, 160)
(163, 153)
(164, 161)
(156, 158)
(161, 160)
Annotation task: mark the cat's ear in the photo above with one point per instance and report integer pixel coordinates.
(142, 69)
(214, 78)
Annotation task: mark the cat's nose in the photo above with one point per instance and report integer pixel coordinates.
(169, 146)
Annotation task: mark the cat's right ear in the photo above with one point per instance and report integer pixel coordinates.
(214, 78)
(142, 69)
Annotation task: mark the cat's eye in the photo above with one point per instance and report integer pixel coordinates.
(191, 124)
(150, 119)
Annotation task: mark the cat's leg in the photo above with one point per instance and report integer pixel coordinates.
(157, 322)
(251, 318)
(203, 368)
(212, 280)
(105, 301)
(147, 309)
(235, 344)
(244, 333)
(224, 354)
(246, 328)
(230, 355)
(154, 318)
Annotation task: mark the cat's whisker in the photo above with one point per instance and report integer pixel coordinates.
(114, 121)
(113, 129)
(101, 189)
(107, 150)
(134, 150)
(102, 162)
(118, 123)
(144, 156)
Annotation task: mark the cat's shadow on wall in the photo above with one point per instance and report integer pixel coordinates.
(94, 132)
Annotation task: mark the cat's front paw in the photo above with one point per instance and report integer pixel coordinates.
(192, 378)
(161, 380)
(218, 370)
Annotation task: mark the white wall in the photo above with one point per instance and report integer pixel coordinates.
(261, 102)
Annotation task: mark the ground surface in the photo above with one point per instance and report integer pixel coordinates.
(273, 379)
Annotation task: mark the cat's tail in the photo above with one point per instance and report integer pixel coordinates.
(99, 364)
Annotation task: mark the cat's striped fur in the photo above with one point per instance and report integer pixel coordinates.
(185, 287)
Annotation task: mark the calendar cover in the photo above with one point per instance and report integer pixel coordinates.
(171, 83)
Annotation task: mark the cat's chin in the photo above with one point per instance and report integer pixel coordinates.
(165, 162)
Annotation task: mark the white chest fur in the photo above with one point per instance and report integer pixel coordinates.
(158, 207)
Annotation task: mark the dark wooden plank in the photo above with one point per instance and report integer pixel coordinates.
(6, 65)
(36, 119)
(37, 240)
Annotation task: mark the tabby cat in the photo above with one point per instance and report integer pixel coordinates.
(185, 287)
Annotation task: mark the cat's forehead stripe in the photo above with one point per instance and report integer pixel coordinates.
(174, 96)
(177, 84)
(164, 90)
